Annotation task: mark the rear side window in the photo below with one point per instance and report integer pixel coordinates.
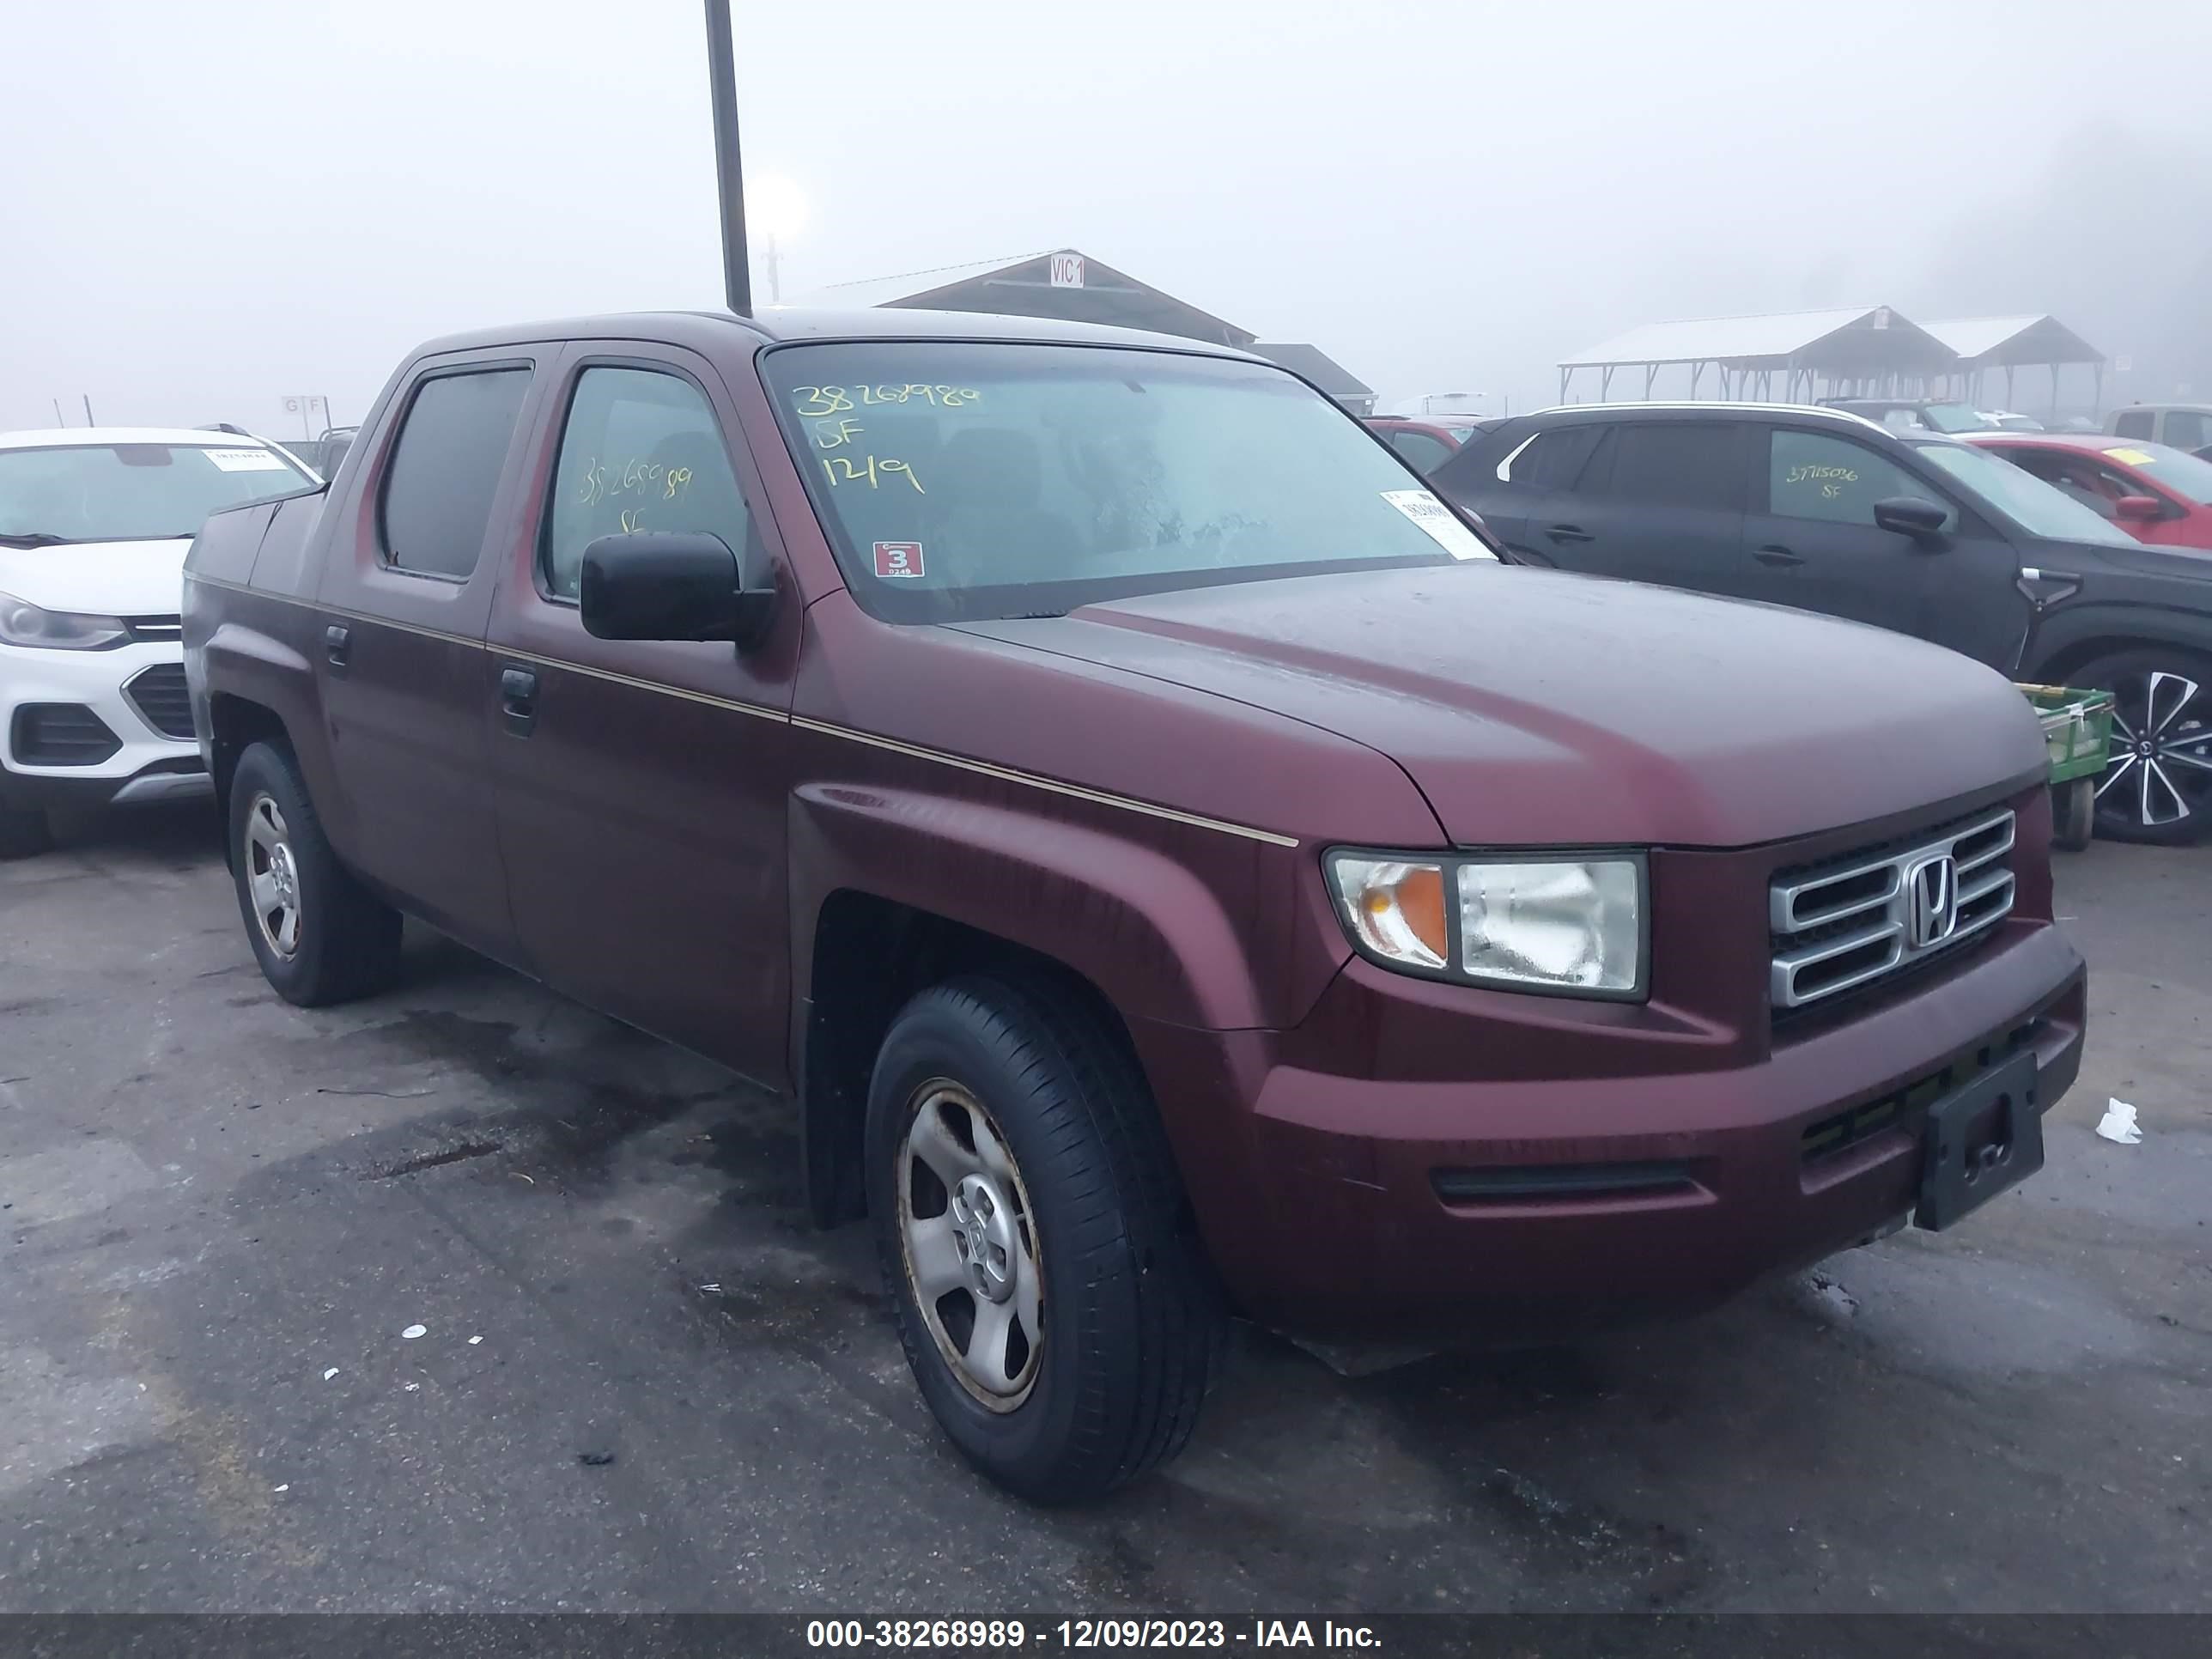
(1680, 464)
(1553, 459)
(1810, 475)
(641, 450)
(2134, 423)
(445, 469)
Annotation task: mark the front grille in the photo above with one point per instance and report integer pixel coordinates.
(60, 734)
(1848, 922)
(159, 694)
(155, 631)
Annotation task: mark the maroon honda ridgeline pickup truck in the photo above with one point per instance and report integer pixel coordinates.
(1171, 866)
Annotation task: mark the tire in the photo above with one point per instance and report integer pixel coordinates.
(1128, 1323)
(341, 943)
(24, 831)
(2073, 814)
(2158, 787)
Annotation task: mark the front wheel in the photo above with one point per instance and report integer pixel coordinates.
(1059, 1316)
(2157, 785)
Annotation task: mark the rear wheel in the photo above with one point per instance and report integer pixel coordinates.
(23, 830)
(1057, 1312)
(318, 934)
(2157, 786)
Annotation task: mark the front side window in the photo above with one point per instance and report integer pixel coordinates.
(2188, 429)
(1422, 453)
(1810, 475)
(641, 450)
(2134, 423)
(1673, 464)
(54, 494)
(962, 480)
(2017, 497)
(2187, 475)
(445, 469)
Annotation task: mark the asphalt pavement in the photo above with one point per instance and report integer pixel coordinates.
(643, 1383)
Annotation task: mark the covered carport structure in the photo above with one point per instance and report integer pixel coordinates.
(2013, 343)
(1799, 355)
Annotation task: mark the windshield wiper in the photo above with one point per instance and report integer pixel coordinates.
(33, 538)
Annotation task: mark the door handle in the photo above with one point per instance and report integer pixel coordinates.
(518, 699)
(1781, 556)
(337, 641)
(1568, 533)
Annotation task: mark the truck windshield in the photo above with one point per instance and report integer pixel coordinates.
(59, 493)
(968, 480)
(2021, 499)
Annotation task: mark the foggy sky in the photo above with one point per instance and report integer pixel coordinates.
(210, 206)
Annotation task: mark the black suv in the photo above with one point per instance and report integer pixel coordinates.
(1825, 510)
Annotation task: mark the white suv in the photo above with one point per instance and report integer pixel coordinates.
(95, 524)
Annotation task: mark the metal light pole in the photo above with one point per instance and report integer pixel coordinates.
(721, 72)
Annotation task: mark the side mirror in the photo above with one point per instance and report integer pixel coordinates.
(665, 584)
(1909, 515)
(2139, 509)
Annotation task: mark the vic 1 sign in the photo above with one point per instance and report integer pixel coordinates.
(1068, 270)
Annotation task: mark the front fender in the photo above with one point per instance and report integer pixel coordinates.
(1142, 924)
(2071, 632)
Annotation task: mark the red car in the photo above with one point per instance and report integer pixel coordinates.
(1424, 440)
(2154, 492)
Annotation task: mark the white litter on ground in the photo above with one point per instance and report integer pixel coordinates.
(412, 1387)
(330, 1373)
(474, 1340)
(2119, 1123)
(287, 1486)
(414, 1331)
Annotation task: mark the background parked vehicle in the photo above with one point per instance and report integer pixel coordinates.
(2178, 426)
(1914, 414)
(95, 522)
(1426, 440)
(2156, 494)
(1152, 842)
(1824, 510)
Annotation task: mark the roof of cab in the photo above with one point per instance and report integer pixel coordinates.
(709, 331)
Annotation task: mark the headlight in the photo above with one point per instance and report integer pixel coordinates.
(22, 622)
(1563, 925)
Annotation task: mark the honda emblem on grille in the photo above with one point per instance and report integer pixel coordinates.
(1932, 884)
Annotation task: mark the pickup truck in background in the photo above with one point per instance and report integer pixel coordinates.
(1169, 865)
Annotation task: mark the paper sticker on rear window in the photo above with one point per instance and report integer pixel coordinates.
(245, 460)
(2130, 457)
(898, 559)
(1443, 527)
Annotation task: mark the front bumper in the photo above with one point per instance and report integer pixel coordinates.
(147, 764)
(1517, 1207)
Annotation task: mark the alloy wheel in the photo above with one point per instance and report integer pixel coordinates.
(970, 1245)
(272, 875)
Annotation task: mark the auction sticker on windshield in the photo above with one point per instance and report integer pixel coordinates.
(2130, 457)
(1442, 524)
(898, 559)
(245, 460)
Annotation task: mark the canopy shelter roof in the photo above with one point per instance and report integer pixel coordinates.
(1850, 341)
(1995, 341)
(1323, 370)
(1061, 282)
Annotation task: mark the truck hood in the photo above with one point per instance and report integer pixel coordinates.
(1536, 706)
(104, 579)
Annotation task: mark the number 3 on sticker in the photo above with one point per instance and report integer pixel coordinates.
(898, 559)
